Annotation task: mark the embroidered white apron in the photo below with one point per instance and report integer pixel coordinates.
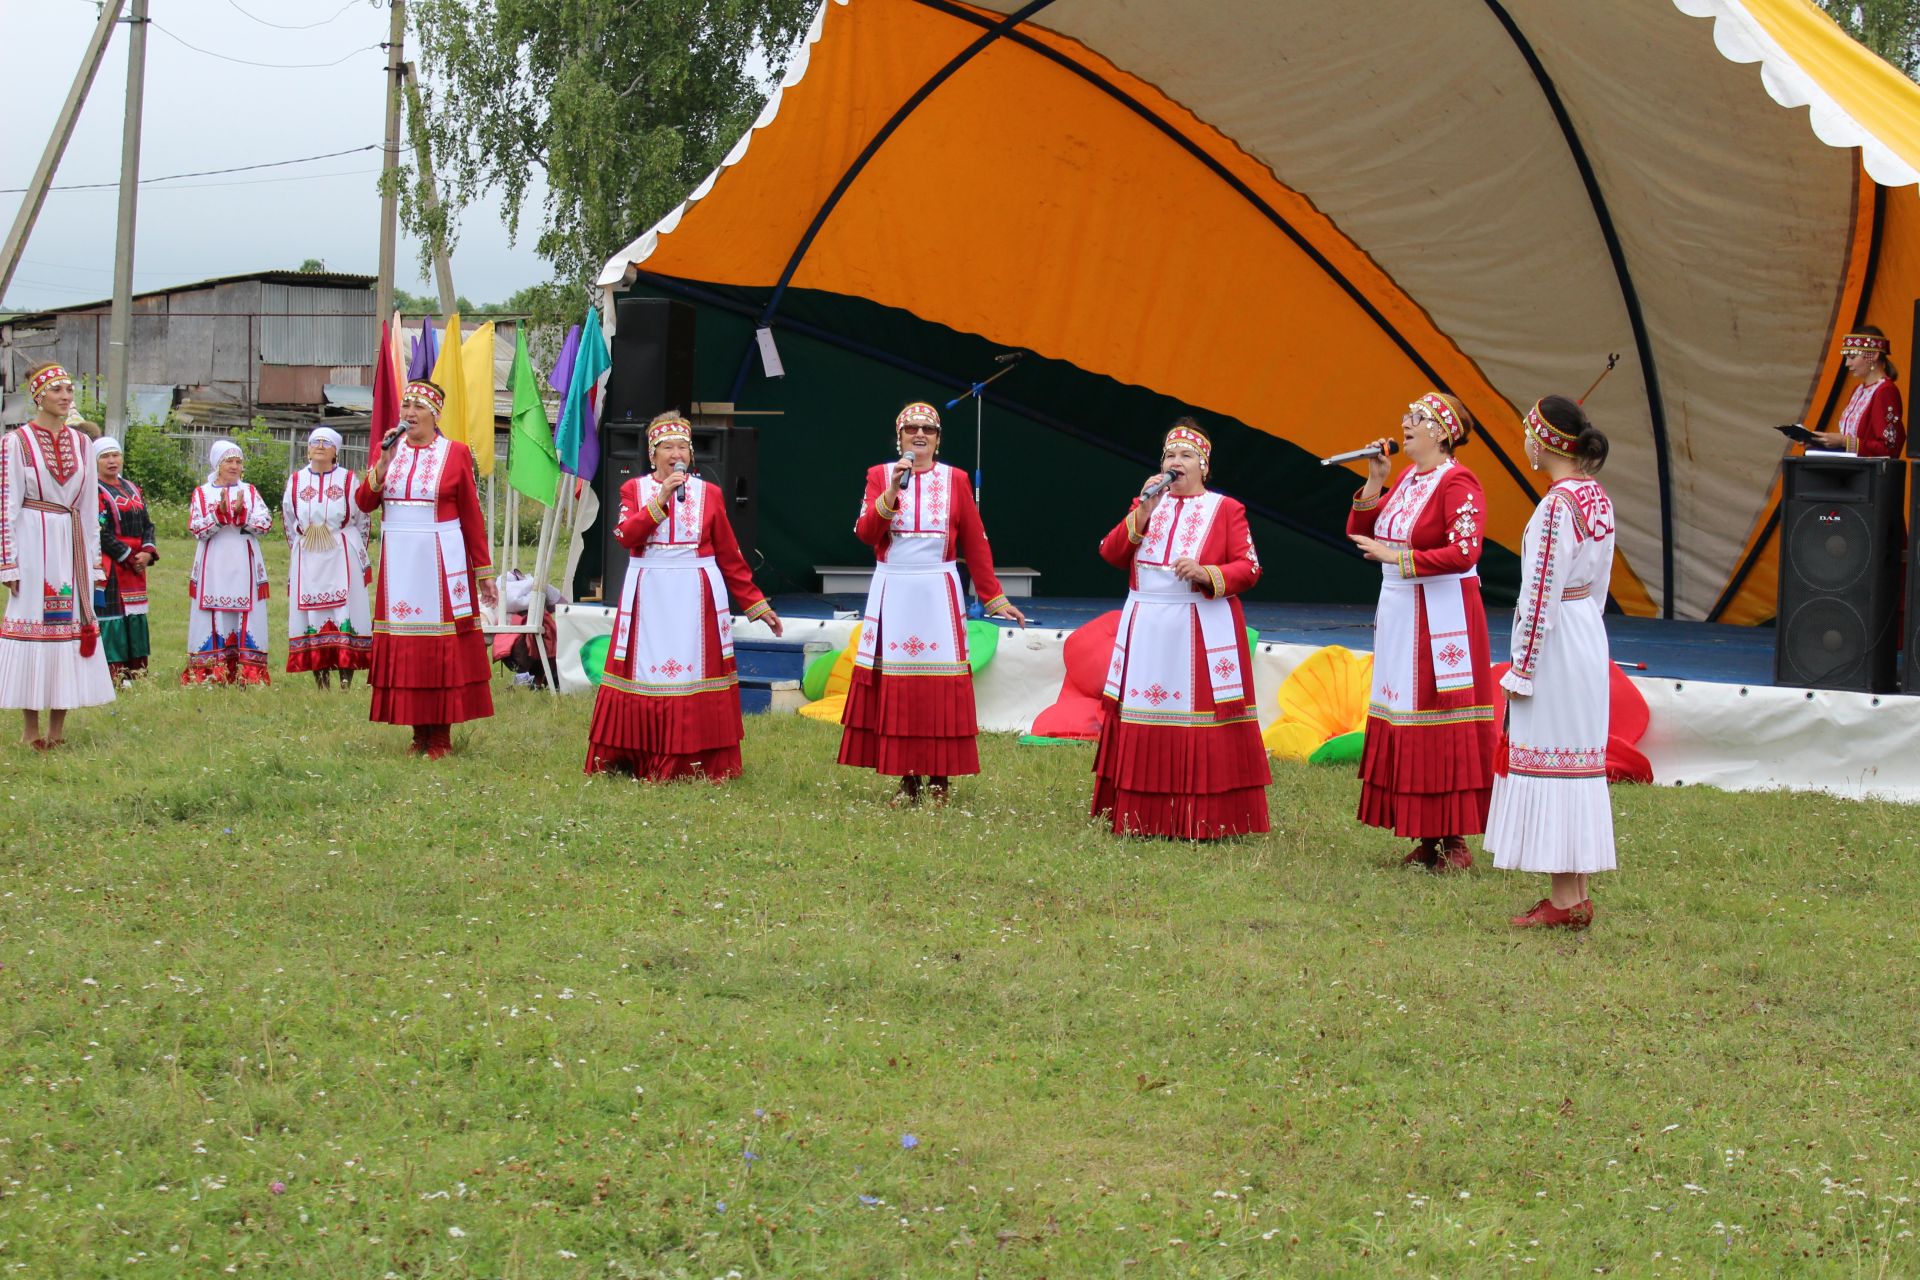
(324, 554)
(670, 591)
(421, 556)
(1154, 672)
(231, 568)
(915, 597)
(1396, 622)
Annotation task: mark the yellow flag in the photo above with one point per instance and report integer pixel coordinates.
(450, 373)
(477, 355)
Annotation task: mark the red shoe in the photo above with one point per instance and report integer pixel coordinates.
(1455, 856)
(1547, 916)
(422, 739)
(439, 742)
(1424, 854)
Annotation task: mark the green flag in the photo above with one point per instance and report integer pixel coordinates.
(532, 466)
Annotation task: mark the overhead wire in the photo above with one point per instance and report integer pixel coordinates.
(281, 26)
(249, 62)
(206, 173)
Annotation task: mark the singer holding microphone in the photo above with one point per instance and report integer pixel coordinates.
(669, 702)
(1426, 771)
(430, 668)
(1180, 753)
(909, 711)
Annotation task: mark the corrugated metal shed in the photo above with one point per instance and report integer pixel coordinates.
(305, 326)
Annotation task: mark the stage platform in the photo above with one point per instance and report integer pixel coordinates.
(1716, 718)
(1677, 650)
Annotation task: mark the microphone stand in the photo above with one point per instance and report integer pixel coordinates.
(973, 393)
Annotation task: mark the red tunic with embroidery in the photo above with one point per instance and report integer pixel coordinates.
(666, 728)
(433, 679)
(910, 704)
(1199, 772)
(1426, 770)
(1872, 421)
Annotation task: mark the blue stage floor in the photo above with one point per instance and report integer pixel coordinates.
(1675, 650)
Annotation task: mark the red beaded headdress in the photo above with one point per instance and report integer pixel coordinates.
(917, 414)
(1870, 343)
(1192, 439)
(425, 393)
(668, 426)
(1435, 406)
(51, 376)
(1551, 438)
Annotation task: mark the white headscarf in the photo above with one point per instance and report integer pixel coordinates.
(221, 451)
(107, 444)
(324, 435)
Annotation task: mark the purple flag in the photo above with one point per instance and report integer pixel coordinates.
(562, 376)
(426, 352)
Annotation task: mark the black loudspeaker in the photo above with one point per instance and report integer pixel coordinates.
(725, 455)
(653, 343)
(1910, 639)
(1840, 550)
(652, 370)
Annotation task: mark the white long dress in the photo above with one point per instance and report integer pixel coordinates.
(48, 500)
(227, 637)
(1551, 811)
(329, 623)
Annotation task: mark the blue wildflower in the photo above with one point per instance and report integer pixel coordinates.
(749, 1156)
(719, 1206)
(870, 1201)
(908, 1142)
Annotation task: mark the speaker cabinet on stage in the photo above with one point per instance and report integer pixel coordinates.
(1910, 641)
(1840, 550)
(725, 454)
(652, 354)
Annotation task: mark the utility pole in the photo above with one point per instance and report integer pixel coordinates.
(430, 195)
(120, 325)
(390, 170)
(57, 142)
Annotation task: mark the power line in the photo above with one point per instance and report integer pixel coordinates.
(261, 182)
(248, 62)
(281, 26)
(206, 173)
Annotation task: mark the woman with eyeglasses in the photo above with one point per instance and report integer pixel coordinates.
(1426, 772)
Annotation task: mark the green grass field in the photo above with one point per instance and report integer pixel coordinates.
(279, 1001)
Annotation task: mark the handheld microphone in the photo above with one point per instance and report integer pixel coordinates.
(1354, 455)
(907, 474)
(392, 437)
(681, 493)
(1158, 485)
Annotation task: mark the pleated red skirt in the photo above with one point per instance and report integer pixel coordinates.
(901, 725)
(422, 680)
(661, 737)
(1435, 779)
(1183, 782)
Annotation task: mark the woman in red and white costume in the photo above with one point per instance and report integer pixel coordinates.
(1180, 753)
(50, 654)
(430, 668)
(1873, 424)
(909, 710)
(329, 622)
(1426, 771)
(669, 700)
(227, 633)
(1551, 811)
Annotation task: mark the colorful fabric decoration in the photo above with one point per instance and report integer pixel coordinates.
(48, 378)
(424, 394)
(1322, 701)
(1868, 343)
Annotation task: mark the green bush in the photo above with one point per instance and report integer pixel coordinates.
(158, 463)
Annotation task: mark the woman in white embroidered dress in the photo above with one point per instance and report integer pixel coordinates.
(227, 638)
(1551, 811)
(909, 711)
(1426, 771)
(430, 665)
(50, 654)
(669, 700)
(329, 627)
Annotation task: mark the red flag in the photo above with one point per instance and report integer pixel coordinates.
(386, 394)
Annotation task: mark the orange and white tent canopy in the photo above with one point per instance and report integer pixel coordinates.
(1302, 215)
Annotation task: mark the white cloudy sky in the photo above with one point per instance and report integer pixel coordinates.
(206, 112)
